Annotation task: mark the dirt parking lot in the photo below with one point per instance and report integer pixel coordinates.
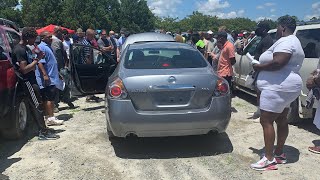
(84, 151)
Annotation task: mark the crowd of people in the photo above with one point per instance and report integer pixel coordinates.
(43, 62)
(276, 77)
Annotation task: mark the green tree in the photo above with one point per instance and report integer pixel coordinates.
(40, 13)
(136, 16)
(8, 11)
(100, 14)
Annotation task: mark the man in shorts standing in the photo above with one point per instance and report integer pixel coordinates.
(48, 78)
(26, 63)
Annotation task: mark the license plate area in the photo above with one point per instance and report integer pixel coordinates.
(172, 98)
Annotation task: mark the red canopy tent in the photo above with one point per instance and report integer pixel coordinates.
(50, 28)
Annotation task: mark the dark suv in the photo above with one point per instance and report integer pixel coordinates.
(13, 102)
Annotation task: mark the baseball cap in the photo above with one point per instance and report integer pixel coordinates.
(210, 32)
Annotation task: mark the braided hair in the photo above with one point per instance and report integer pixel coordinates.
(288, 22)
(29, 33)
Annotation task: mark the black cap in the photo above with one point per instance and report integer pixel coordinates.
(222, 34)
(264, 25)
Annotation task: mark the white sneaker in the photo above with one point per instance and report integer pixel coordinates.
(53, 121)
(265, 164)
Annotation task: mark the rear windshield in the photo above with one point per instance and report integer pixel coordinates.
(163, 58)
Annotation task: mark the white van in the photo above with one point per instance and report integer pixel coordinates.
(309, 36)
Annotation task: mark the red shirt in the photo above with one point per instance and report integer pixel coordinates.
(224, 63)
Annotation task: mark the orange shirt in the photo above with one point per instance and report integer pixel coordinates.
(224, 63)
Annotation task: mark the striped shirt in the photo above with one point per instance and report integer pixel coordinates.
(86, 52)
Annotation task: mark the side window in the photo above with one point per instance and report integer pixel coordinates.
(13, 38)
(310, 41)
(89, 55)
(252, 46)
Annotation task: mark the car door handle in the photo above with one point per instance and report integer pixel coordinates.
(100, 67)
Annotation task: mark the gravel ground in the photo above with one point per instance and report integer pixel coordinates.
(84, 151)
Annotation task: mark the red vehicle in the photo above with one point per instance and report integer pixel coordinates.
(13, 102)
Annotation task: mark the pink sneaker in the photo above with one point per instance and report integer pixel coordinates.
(264, 164)
(281, 159)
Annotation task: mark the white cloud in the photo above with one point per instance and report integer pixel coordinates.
(216, 7)
(272, 17)
(268, 4)
(260, 7)
(164, 7)
(272, 10)
(315, 11)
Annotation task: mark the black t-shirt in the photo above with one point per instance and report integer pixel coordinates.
(22, 53)
(264, 45)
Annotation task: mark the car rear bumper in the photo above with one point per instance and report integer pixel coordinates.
(124, 119)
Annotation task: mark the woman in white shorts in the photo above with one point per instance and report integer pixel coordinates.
(280, 84)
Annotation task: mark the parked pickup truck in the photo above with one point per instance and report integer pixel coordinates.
(309, 35)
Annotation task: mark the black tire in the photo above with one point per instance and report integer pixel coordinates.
(293, 114)
(20, 118)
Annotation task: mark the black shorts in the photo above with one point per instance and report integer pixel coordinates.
(48, 93)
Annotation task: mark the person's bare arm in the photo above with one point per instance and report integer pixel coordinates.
(280, 59)
(26, 68)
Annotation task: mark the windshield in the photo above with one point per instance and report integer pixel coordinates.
(163, 57)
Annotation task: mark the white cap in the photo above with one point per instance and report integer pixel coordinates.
(210, 32)
(245, 32)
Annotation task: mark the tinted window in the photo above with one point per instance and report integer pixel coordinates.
(2, 42)
(163, 58)
(273, 36)
(13, 38)
(89, 55)
(252, 46)
(310, 41)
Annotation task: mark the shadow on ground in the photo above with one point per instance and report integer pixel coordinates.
(65, 117)
(307, 124)
(316, 142)
(292, 153)
(246, 97)
(7, 149)
(172, 147)
(93, 108)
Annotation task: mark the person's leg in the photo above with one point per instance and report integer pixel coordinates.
(266, 120)
(282, 131)
(50, 96)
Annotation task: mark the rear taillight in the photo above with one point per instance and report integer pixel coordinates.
(117, 89)
(222, 87)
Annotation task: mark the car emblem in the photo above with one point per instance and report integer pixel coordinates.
(172, 79)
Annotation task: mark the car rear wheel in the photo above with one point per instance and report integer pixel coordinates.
(20, 118)
(293, 114)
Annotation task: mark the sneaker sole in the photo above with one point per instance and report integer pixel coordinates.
(266, 168)
(311, 150)
(281, 161)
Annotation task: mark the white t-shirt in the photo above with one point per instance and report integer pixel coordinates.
(287, 79)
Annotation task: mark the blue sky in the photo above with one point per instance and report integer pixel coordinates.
(253, 9)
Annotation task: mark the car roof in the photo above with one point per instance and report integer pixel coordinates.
(147, 37)
(303, 27)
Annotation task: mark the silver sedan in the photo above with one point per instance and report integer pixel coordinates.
(165, 89)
